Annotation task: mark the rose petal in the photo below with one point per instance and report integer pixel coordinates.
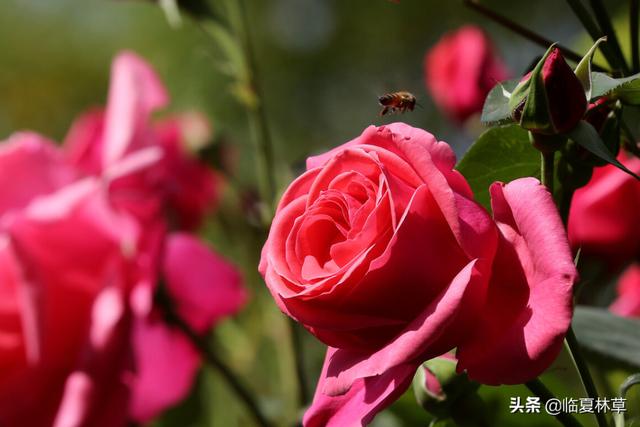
(30, 166)
(421, 339)
(530, 301)
(603, 220)
(364, 400)
(83, 144)
(135, 91)
(166, 366)
(204, 286)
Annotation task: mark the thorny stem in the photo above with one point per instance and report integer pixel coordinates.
(580, 363)
(539, 389)
(525, 32)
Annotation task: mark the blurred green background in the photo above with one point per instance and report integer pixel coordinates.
(322, 65)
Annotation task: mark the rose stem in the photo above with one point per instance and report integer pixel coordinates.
(265, 148)
(546, 169)
(603, 18)
(583, 370)
(258, 115)
(547, 174)
(297, 343)
(163, 300)
(592, 28)
(634, 10)
(539, 389)
(524, 32)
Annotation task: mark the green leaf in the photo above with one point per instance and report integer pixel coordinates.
(496, 108)
(587, 137)
(500, 154)
(626, 89)
(583, 70)
(605, 334)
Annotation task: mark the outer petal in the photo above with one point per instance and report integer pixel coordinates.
(166, 365)
(97, 393)
(434, 332)
(135, 91)
(628, 301)
(203, 285)
(30, 166)
(364, 400)
(530, 295)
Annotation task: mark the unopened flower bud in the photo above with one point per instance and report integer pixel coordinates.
(438, 388)
(550, 100)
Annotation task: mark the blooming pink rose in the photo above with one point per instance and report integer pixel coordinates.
(603, 220)
(460, 70)
(628, 301)
(380, 251)
(81, 335)
(178, 185)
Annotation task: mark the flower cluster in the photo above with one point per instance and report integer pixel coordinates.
(90, 233)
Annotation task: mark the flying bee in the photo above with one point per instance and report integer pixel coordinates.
(397, 102)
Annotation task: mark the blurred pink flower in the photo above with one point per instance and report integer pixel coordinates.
(628, 301)
(460, 70)
(380, 251)
(85, 236)
(603, 220)
(177, 185)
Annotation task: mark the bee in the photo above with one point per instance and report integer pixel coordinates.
(397, 102)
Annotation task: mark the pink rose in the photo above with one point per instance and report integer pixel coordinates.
(628, 301)
(603, 220)
(460, 70)
(380, 251)
(178, 185)
(85, 236)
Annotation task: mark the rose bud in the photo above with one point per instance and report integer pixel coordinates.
(550, 100)
(439, 389)
(460, 70)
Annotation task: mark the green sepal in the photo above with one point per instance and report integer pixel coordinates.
(583, 70)
(535, 112)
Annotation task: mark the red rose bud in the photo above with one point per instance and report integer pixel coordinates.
(550, 100)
